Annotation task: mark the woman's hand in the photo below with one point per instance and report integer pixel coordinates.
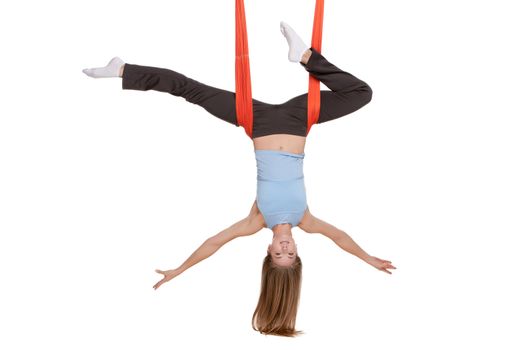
(168, 276)
(380, 264)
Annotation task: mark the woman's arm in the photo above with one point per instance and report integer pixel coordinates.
(312, 224)
(253, 223)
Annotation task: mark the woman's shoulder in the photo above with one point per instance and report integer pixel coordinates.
(307, 222)
(256, 215)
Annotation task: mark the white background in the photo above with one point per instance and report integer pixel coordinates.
(99, 187)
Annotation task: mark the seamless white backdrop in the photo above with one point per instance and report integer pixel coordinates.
(99, 186)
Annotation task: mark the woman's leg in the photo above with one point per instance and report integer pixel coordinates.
(347, 95)
(220, 103)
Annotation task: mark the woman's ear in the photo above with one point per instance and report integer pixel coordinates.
(268, 250)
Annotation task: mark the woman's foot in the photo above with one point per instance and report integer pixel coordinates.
(113, 69)
(296, 44)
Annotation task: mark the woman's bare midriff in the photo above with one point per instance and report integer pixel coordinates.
(280, 142)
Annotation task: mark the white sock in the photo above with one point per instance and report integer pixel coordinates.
(109, 71)
(297, 45)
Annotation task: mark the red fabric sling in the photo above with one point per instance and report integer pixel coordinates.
(243, 87)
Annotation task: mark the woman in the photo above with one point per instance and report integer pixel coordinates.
(279, 136)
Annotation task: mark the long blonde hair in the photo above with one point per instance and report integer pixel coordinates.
(279, 299)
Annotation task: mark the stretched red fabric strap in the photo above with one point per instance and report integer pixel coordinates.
(243, 87)
(314, 87)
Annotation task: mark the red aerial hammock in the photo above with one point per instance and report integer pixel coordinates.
(243, 86)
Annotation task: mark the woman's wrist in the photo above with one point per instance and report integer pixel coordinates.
(365, 257)
(177, 271)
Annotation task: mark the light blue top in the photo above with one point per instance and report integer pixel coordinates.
(281, 194)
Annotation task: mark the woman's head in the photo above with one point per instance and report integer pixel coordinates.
(282, 249)
(276, 310)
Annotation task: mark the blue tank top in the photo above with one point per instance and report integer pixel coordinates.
(281, 194)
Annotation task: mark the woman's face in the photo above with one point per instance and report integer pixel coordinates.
(283, 249)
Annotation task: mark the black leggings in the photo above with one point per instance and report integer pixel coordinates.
(348, 95)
